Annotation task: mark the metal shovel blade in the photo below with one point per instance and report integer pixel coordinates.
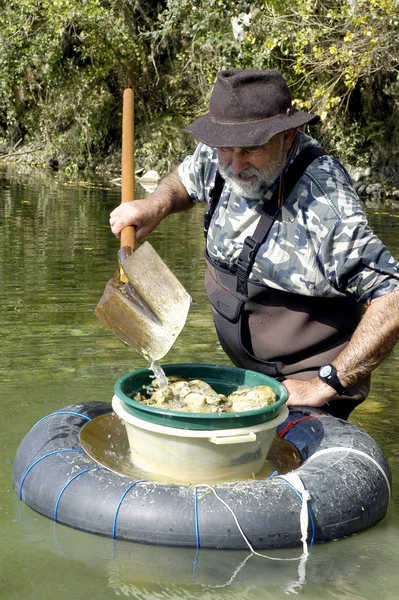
(150, 310)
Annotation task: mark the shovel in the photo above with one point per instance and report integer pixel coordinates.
(144, 304)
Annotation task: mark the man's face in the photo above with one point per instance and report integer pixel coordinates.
(251, 170)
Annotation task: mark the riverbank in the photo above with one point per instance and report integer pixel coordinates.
(371, 189)
(44, 158)
(28, 169)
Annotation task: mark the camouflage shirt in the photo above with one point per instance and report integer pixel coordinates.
(319, 245)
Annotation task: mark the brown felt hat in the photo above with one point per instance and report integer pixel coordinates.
(247, 108)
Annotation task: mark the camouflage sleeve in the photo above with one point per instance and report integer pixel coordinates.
(197, 173)
(357, 262)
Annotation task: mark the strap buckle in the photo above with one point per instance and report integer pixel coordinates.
(245, 262)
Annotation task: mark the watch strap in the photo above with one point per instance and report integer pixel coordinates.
(332, 379)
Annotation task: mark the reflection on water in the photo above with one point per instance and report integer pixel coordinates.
(56, 255)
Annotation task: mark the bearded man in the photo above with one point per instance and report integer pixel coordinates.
(300, 287)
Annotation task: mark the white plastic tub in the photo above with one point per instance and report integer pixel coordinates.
(192, 456)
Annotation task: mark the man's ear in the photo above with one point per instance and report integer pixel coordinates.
(289, 137)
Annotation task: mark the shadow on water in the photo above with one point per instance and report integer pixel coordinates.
(56, 255)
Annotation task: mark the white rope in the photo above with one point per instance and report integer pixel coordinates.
(353, 451)
(297, 483)
(246, 540)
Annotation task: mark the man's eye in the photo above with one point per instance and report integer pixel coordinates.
(255, 150)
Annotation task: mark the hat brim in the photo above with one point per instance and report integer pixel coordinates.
(219, 134)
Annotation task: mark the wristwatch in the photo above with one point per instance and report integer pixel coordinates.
(328, 374)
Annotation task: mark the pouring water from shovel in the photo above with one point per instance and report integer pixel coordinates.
(144, 304)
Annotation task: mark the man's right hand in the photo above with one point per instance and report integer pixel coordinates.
(144, 215)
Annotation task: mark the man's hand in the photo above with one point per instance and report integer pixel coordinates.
(312, 392)
(372, 341)
(145, 215)
(142, 214)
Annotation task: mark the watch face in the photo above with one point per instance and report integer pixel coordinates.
(325, 371)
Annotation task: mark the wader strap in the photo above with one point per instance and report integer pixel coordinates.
(245, 261)
(214, 195)
(270, 212)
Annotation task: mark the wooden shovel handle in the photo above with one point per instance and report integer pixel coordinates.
(128, 234)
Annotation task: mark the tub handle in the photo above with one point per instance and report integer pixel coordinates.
(250, 436)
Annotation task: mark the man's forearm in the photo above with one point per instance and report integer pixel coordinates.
(372, 341)
(171, 196)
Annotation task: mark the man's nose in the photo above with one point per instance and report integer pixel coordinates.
(239, 161)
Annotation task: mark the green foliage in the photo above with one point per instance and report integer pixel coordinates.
(64, 64)
(341, 59)
(62, 67)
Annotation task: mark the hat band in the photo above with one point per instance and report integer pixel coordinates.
(242, 121)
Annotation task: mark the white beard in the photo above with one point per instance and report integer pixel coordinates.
(265, 177)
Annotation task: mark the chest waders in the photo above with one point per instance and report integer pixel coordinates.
(281, 334)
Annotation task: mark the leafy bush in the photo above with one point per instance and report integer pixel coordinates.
(64, 64)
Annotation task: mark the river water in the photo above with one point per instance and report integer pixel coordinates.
(56, 255)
